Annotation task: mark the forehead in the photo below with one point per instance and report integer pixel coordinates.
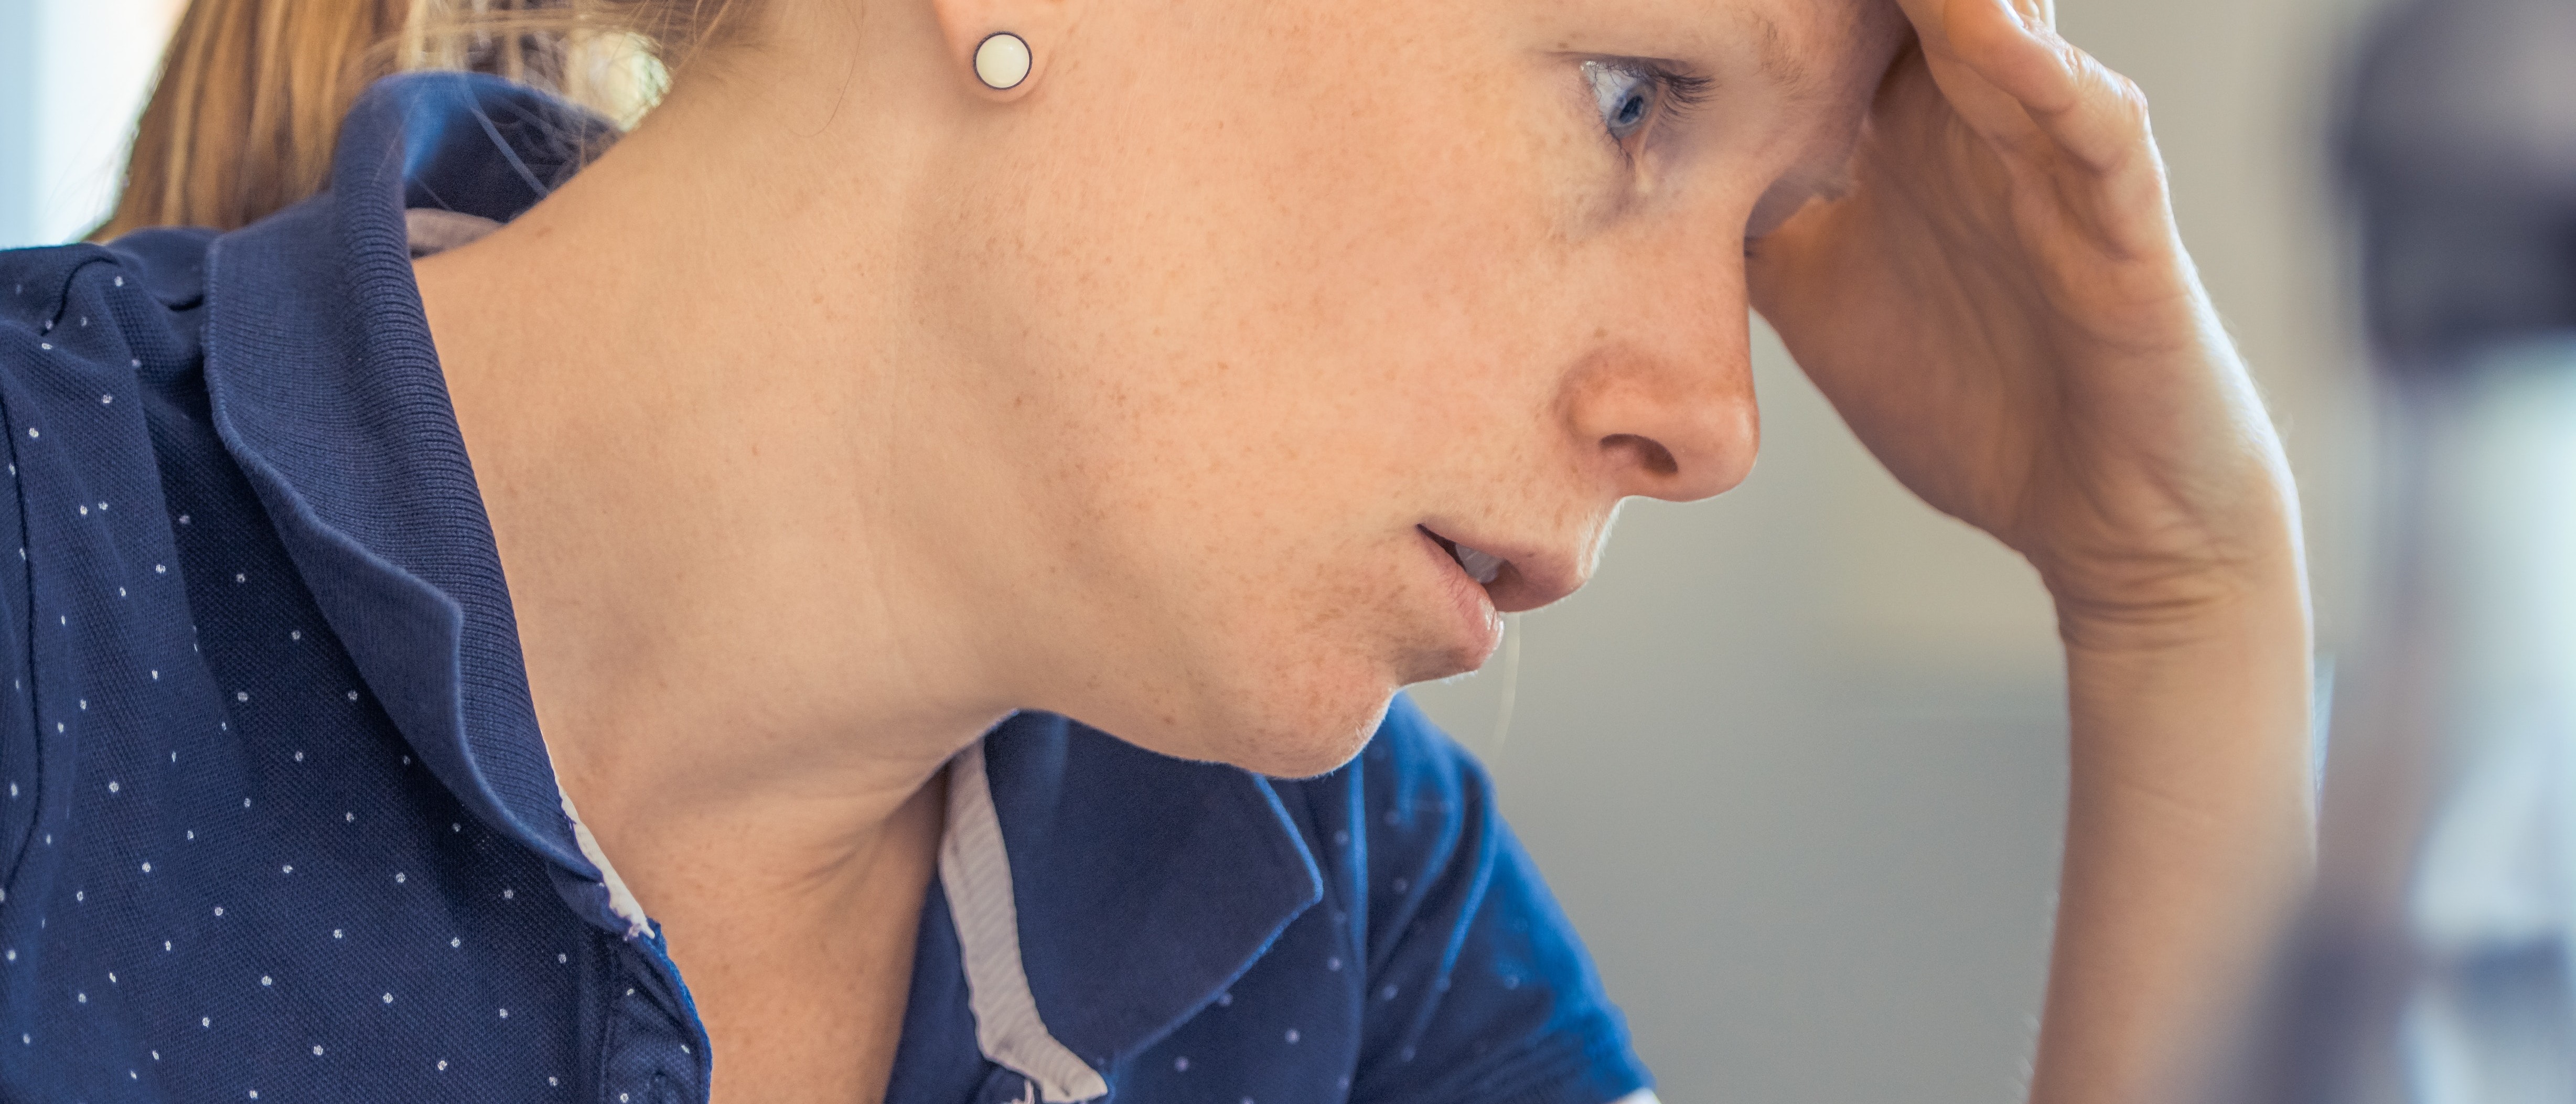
(1820, 50)
(1828, 56)
(1817, 51)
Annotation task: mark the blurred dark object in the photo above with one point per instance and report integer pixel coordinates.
(2460, 144)
(2436, 961)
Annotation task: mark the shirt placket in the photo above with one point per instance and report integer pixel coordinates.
(655, 1046)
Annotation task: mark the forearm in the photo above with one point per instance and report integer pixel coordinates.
(2188, 830)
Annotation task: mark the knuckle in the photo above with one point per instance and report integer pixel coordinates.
(2123, 94)
(2133, 99)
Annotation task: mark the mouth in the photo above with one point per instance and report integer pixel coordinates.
(1481, 586)
(1480, 565)
(1518, 577)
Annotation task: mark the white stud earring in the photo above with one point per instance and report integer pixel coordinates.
(1002, 61)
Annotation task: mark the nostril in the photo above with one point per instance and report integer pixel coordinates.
(1644, 451)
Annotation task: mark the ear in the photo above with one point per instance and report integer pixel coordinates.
(965, 24)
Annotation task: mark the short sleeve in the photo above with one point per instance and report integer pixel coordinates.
(1478, 989)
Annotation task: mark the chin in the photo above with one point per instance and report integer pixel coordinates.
(1292, 682)
(1280, 718)
(1308, 742)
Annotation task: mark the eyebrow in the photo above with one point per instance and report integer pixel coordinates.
(1774, 58)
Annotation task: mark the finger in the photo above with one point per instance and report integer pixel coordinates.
(1989, 110)
(2097, 116)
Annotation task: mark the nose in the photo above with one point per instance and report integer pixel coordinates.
(1671, 422)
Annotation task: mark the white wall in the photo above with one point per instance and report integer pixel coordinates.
(73, 75)
(18, 170)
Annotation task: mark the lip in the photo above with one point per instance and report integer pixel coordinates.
(1531, 576)
(1479, 625)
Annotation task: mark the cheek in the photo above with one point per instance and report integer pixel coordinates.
(1279, 297)
(1242, 342)
(1306, 224)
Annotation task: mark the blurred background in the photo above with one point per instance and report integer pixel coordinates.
(73, 74)
(1795, 762)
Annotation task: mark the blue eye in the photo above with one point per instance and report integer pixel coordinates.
(1626, 94)
(1632, 93)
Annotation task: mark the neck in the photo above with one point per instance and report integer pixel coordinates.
(735, 507)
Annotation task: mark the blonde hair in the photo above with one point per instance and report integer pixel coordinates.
(243, 116)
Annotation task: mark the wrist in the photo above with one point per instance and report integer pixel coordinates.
(2136, 605)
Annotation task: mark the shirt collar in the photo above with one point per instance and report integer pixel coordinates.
(326, 390)
(1145, 884)
(1137, 887)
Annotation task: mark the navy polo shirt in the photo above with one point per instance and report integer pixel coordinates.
(279, 824)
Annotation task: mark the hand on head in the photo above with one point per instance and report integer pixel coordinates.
(2003, 310)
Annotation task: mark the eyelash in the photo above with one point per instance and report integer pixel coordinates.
(1676, 92)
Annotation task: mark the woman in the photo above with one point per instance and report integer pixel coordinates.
(921, 374)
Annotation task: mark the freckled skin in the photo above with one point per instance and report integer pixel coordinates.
(1247, 367)
(1123, 395)
(1128, 393)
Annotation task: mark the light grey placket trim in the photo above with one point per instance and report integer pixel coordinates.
(975, 871)
(433, 231)
(620, 899)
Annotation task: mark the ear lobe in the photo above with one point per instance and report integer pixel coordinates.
(977, 34)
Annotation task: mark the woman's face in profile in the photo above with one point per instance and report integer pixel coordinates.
(1287, 298)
